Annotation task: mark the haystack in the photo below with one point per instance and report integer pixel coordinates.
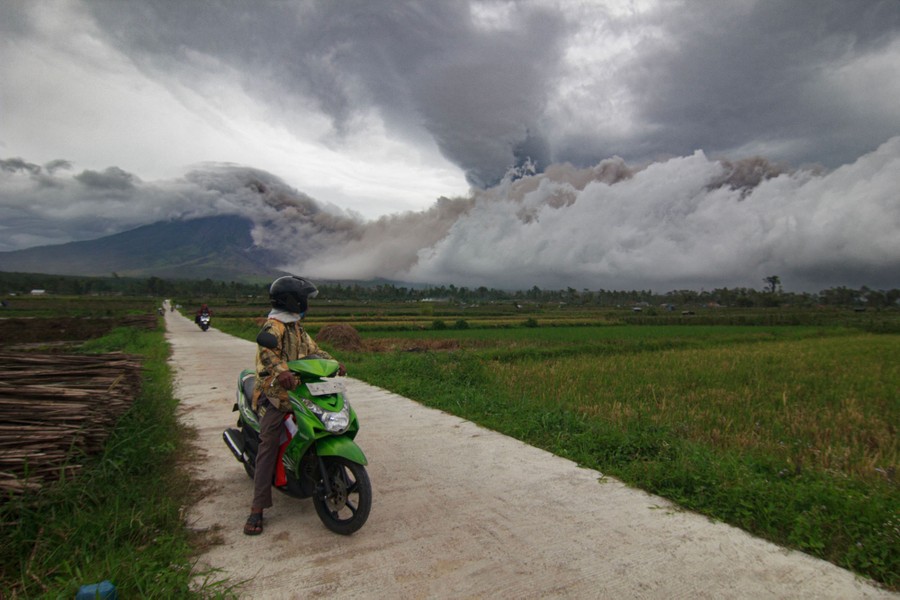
(341, 337)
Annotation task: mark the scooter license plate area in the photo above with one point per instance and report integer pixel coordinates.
(324, 388)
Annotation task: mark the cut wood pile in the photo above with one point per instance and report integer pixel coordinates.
(57, 408)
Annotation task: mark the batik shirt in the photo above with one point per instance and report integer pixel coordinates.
(293, 343)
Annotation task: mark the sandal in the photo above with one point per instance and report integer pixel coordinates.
(254, 524)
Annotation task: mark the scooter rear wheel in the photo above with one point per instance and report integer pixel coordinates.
(347, 507)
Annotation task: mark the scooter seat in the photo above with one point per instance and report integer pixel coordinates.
(247, 385)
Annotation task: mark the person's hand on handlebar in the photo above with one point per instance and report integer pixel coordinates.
(287, 380)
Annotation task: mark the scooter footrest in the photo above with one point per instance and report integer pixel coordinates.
(234, 439)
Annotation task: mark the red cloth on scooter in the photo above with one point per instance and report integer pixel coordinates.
(287, 434)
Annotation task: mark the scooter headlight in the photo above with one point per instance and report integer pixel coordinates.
(336, 422)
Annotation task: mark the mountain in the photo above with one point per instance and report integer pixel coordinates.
(218, 248)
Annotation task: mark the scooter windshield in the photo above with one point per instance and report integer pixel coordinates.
(315, 367)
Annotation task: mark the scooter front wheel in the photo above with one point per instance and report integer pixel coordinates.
(346, 507)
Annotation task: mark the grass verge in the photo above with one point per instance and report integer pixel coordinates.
(121, 518)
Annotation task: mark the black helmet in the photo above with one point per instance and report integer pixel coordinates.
(291, 292)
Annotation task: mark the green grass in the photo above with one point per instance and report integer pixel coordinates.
(789, 433)
(121, 518)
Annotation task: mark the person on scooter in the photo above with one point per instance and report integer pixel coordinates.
(204, 310)
(280, 340)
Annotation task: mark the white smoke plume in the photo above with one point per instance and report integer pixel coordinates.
(689, 222)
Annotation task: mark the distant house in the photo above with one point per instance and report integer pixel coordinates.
(38, 292)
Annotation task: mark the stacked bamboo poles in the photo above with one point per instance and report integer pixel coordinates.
(57, 408)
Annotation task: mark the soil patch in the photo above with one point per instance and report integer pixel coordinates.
(402, 345)
(46, 330)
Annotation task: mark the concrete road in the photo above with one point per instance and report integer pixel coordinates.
(462, 512)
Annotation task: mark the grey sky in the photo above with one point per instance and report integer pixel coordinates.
(379, 108)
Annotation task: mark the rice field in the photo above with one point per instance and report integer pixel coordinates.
(788, 431)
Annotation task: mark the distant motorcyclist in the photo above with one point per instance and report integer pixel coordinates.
(204, 310)
(280, 340)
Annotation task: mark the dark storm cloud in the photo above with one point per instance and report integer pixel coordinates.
(41, 176)
(112, 178)
(56, 165)
(482, 93)
(15, 20)
(726, 75)
(743, 77)
(17, 164)
(423, 65)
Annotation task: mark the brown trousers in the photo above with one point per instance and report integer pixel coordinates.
(270, 427)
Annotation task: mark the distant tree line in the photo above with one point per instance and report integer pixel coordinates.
(68, 285)
(770, 296)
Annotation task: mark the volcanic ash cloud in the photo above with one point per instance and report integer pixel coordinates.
(686, 222)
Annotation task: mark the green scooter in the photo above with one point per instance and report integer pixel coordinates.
(321, 460)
